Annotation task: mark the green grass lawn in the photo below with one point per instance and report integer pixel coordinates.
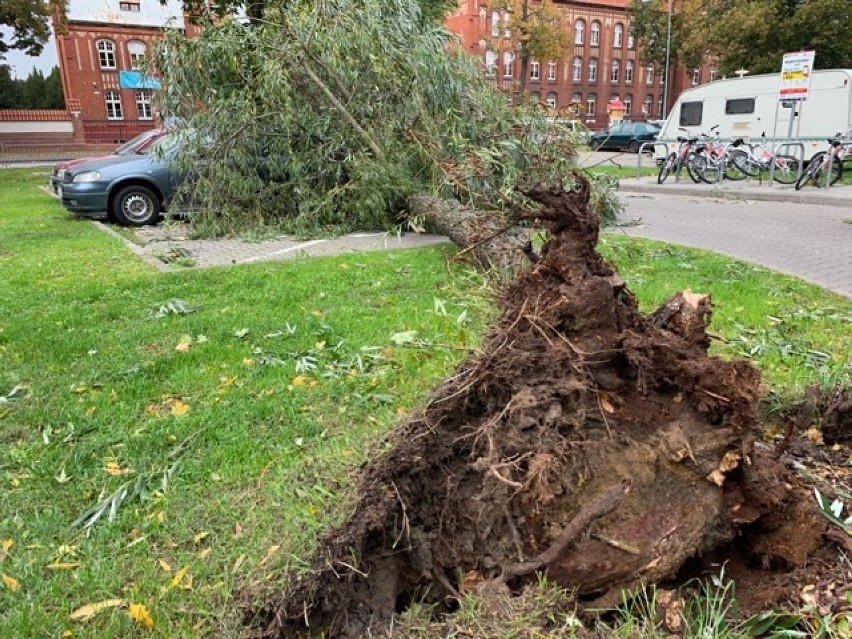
(235, 428)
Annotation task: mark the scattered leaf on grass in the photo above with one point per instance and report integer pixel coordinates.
(204, 553)
(238, 562)
(7, 544)
(405, 337)
(242, 333)
(84, 613)
(140, 615)
(200, 537)
(179, 408)
(164, 565)
(11, 583)
(184, 344)
(299, 380)
(63, 565)
(272, 550)
(179, 575)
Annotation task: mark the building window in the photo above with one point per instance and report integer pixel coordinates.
(576, 103)
(508, 64)
(660, 107)
(507, 30)
(618, 36)
(593, 70)
(631, 40)
(495, 23)
(136, 50)
(113, 105)
(595, 34)
(646, 107)
(490, 64)
(628, 72)
(649, 74)
(551, 100)
(616, 68)
(579, 31)
(590, 105)
(535, 70)
(696, 77)
(551, 70)
(143, 105)
(483, 18)
(713, 73)
(535, 96)
(106, 53)
(578, 69)
(628, 104)
(129, 6)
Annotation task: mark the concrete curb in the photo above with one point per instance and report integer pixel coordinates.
(838, 196)
(134, 248)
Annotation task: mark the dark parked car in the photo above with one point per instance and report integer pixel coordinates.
(135, 145)
(624, 135)
(129, 189)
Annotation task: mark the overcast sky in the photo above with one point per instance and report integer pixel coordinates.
(21, 63)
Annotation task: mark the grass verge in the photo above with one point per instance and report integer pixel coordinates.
(225, 427)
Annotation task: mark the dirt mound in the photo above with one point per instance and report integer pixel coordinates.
(586, 440)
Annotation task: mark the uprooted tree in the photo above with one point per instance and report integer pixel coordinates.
(587, 441)
(330, 114)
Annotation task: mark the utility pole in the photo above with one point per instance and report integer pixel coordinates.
(668, 54)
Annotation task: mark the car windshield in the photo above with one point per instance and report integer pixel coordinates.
(137, 143)
(164, 144)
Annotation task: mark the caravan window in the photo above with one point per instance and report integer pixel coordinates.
(744, 105)
(690, 113)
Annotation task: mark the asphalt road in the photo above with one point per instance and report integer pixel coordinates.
(813, 243)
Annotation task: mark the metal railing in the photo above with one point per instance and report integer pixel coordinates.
(775, 154)
(641, 153)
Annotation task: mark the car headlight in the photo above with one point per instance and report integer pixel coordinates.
(88, 176)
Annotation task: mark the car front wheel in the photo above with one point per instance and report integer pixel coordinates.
(634, 146)
(135, 205)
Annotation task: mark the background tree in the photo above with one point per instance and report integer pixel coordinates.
(750, 34)
(9, 89)
(29, 21)
(535, 30)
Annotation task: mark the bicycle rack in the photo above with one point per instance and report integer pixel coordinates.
(784, 145)
(641, 151)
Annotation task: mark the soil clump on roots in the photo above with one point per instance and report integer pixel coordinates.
(586, 441)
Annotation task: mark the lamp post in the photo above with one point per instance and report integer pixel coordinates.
(668, 53)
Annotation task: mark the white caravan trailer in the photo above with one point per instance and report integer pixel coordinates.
(748, 107)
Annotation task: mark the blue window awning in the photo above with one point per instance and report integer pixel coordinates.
(137, 80)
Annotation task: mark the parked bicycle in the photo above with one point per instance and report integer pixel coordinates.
(711, 161)
(677, 160)
(751, 159)
(826, 165)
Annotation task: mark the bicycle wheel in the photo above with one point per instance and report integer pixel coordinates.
(666, 167)
(738, 165)
(811, 170)
(735, 164)
(836, 172)
(786, 169)
(691, 161)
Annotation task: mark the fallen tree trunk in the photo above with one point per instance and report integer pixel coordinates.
(493, 243)
(587, 441)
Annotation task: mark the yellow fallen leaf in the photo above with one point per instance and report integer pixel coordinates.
(204, 553)
(187, 583)
(180, 408)
(179, 576)
(140, 615)
(67, 633)
(200, 537)
(113, 468)
(11, 583)
(63, 565)
(7, 544)
(317, 313)
(88, 611)
(164, 565)
(239, 562)
(272, 550)
(160, 516)
(184, 345)
(248, 361)
(299, 380)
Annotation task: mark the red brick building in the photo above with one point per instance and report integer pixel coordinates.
(604, 63)
(102, 47)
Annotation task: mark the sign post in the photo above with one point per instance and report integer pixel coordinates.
(796, 73)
